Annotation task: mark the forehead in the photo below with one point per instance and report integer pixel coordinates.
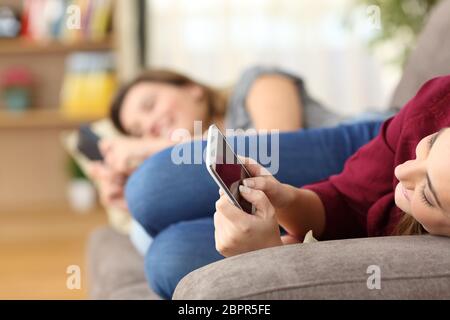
(140, 91)
(439, 168)
(134, 98)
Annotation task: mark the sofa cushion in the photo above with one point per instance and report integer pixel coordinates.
(430, 58)
(411, 267)
(115, 269)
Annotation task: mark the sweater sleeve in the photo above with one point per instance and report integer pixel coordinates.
(366, 177)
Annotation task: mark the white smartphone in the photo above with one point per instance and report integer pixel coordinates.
(226, 169)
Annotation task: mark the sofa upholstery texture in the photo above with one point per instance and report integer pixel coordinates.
(409, 267)
(115, 269)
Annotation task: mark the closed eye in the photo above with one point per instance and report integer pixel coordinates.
(147, 107)
(148, 104)
(432, 140)
(424, 197)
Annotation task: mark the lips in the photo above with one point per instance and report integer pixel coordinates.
(162, 128)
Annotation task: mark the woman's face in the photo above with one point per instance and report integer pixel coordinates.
(153, 109)
(424, 187)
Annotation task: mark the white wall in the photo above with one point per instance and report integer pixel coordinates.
(213, 40)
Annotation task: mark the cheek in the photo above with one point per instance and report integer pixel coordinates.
(166, 106)
(167, 102)
(431, 220)
(183, 113)
(180, 113)
(185, 105)
(420, 214)
(176, 99)
(146, 119)
(422, 148)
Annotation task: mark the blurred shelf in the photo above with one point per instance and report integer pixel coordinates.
(36, 119)
(25, 46)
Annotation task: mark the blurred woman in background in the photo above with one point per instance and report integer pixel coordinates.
(155, 104)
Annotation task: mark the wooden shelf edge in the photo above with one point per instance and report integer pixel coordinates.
(35, 119)
(25, 46)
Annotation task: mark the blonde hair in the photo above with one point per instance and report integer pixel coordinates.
(408, 226)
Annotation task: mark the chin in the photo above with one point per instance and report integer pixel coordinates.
(404, 208)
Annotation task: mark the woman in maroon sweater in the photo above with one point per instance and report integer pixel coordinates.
(398, 184)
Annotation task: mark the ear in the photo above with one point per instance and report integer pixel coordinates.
(196, 91)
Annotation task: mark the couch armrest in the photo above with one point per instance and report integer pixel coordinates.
(430, 57)
(115, 269)
(411, 267)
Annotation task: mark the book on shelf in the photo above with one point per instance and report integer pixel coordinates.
(89, 85)
(66, 20)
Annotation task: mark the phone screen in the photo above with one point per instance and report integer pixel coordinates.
(231, 172)
(88, 143)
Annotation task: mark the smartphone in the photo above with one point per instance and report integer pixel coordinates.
(226, 169)
(88, 143)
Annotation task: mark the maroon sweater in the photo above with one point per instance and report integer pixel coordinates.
(359, 202)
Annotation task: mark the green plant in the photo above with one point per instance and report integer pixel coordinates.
(401, 22)
(75, 170)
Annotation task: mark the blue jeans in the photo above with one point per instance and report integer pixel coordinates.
(175, 203)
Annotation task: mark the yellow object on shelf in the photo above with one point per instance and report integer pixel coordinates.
(88, 96)
(89, 86)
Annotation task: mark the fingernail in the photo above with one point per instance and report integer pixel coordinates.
(244, 189)
(220, 191)
(249, 183)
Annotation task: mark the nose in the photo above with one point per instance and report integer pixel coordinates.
(149, 125)
(153, 123)
(410, 173)
(151, 130)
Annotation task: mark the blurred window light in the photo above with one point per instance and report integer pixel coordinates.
(214, 40)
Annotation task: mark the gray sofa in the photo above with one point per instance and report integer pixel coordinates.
(412, 267)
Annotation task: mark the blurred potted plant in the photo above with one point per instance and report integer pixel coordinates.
(81, 193)
(401, 22)
(16, 88)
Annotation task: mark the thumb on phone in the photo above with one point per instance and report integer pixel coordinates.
(259, 199)
(253, 167)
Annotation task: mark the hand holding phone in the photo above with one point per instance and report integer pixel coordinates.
(88, 143)
(226, 169)
(110, 185)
